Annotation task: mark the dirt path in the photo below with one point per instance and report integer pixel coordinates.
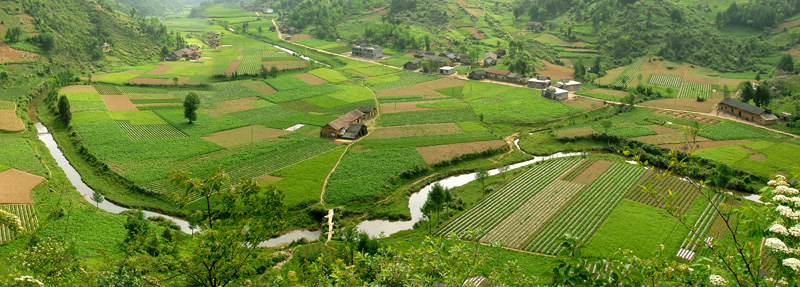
(374, 120)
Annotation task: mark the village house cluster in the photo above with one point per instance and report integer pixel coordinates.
(558, 91)
(190, 52)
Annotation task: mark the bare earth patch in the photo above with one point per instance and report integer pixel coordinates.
(232, 106)
(584, 103)
(233, 67)
(118, 103)
(442, 83)
(437, 153)
(687, 116)
(157, 105)
(593, 172)
(390, 108)
(556, 72)
(475, 32)
(78, 89)
(243, 135)
(704, 145)
(16, 186)
(475, 12)
(160, 69)
(758, 157)
(608, 91)
(284, 65)
(310, 79)
(11, 55)
(673, 138)
(259, 87)
(662, 129)
(416, 130)
(10, 122)
(300, 37)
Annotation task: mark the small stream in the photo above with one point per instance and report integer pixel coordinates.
(75, 178)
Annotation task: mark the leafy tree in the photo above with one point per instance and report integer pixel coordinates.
(164, 52)
(64, 110)
(175, 81)
(746, 91)
(762, 96)
(481, 176)
(216, 181)
(14, 34)
(607, 124)
(226, 253)
(44, 40)
(273, 71)
(596, 66)
(190, 106)
(98, 198)
(786, 63)
(579, 69)
(502, 170)
(136, 225)
(437, 197)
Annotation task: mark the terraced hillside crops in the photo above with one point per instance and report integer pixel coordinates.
(666, 80)
(695, 90)
(696, 238)
(27, 215)
(684, 193)
(497, 207)
(629, 74)
(585, 214)
(149, 132)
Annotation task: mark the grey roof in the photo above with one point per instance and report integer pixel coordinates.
(769, 117)
(353, 130)
(365, 109)
(742, 106)
(479, 73)
(514, 75)
(415, 62)
(491, 55)
(437, 58)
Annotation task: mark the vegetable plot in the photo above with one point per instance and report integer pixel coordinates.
(695, 90)
(629, 74)
(666, 80)
(26, 214)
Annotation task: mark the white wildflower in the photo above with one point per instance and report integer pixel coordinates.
(783, 281)
(785, 190)
(30, 279)
(776, 245)
(792, 263)
(795, 230)
(772, 183)
(779, 229)
(780, 198)
(717, 280)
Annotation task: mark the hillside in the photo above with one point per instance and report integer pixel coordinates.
(70, 33)
(149, 7)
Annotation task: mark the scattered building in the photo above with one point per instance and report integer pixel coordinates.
(516, 78)
(106, 47)
(438, 59)
(497, 74)
(500, 53)
(370, 52)
(340, 126)
(447, 70)
(369, 112)
(747, 112)
(478, 75)
(355, 131)
(556, 94)
(231, 29)
(287, 37)
(569, 85)
(784, 116)
(184, 54)
(422, 54)
(489, 59)
(539, 82)
(463, 59)
(535, 26)
(412, 65)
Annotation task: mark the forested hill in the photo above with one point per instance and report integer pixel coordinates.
(72, 33)
(149, 7)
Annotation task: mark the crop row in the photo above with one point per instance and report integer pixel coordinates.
(516, 230)
(428, 117)
(149, 132)
(250, 65)
(575, 172)
(666, 80)
(695, 90)
(499, 205)
(365, 175)
(107, 90)
(407, 79)
(27, 215)
(253, 50)
(683, 192)
(589, 210)
(265, 163)
(630, 72)
(696, 237)
(273, 54)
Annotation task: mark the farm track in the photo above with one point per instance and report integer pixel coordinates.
(589, 210)
(496, 207)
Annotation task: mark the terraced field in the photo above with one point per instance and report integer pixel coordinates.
(585, 214)
(696, 238)
(683, 192)
(500, 205)
(629, 74)
(26, 213)
(149, 132)
(666, 80)
(695, 90)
